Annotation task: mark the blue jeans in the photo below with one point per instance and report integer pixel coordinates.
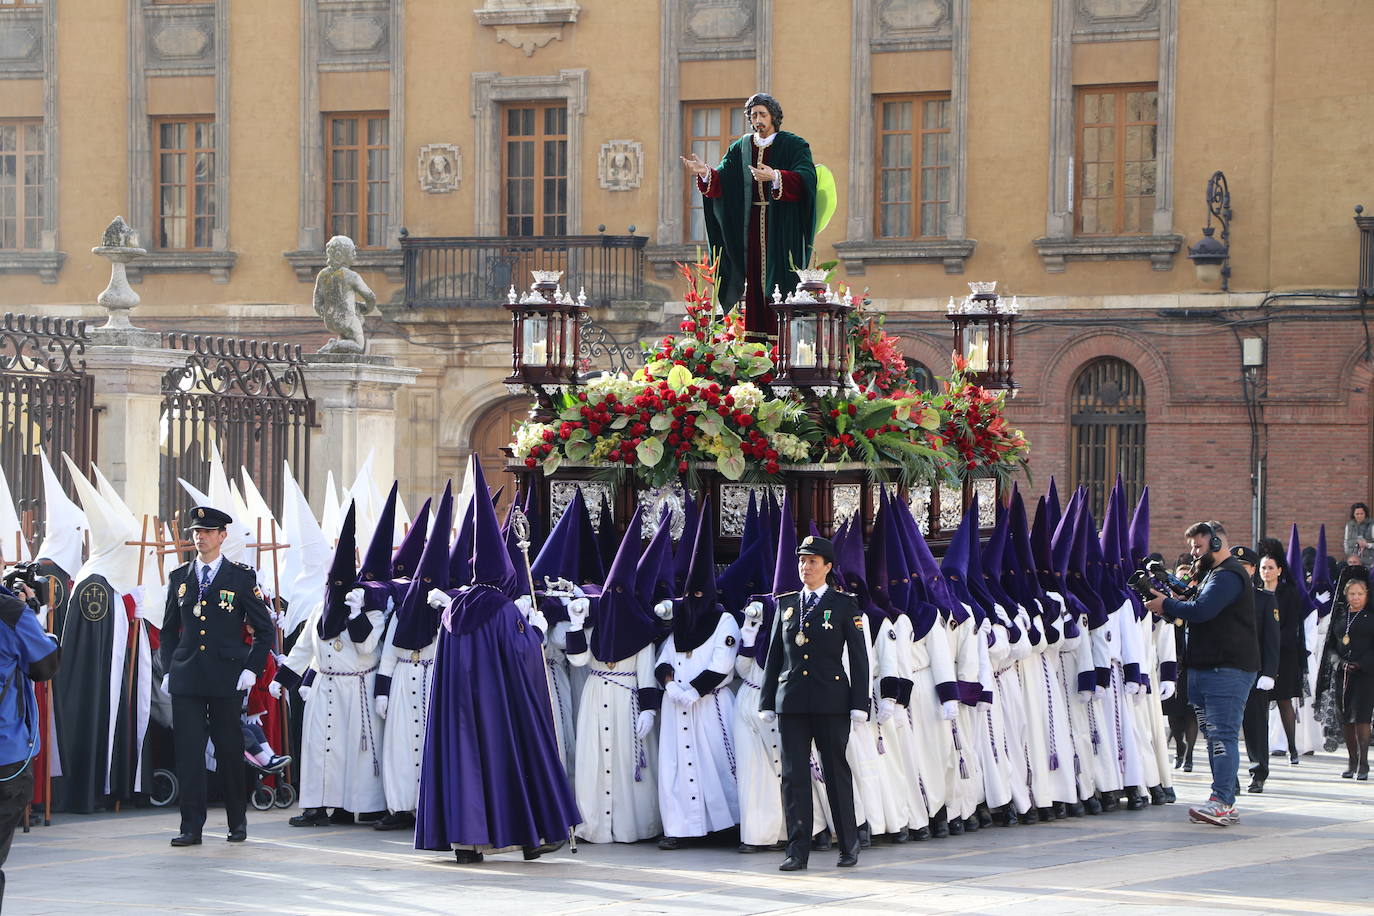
(1218, 695)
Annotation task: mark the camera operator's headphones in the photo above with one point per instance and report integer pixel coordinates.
(1214, 542)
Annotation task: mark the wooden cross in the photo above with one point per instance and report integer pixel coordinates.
(157, 545)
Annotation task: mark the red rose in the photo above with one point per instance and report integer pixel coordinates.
(682, 467)
(530, 462)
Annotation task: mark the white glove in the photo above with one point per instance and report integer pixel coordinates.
(274, 689)
(887, 708)
(753, 611)
(1166, 690)
(1099, 691)
(749, 633)
(437, 599)
(1264, 683)
(354, 601)
(166, 681)
(42, 615)
(524, 605)
(381, 703)
(949, 710)
(664, 610)
(577, 613)
(255, 718)
(767, 716)
(645, 723)
(304, 691)
(246, 679)
(1086, 696)
(281, 659)
(1132, 688)
(683, 694)
(858, 715)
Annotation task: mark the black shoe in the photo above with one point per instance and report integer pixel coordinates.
(821, 841)
(1188, 765)
(186, 839)
(1178, 762)
(467, 856)
(902, 836)
(1109, 802)
(1136, 802)
(1030, 816)
(792, 863)
(956, 827)
(1092, 805)
(847, 860)
(1362, 775)
(669, 843)
(1157, 796)
(984, 815)
(277, 764)
(401, 820)
(311, 817)
(971, 824)
(1011, 819)
(1046, 814)
(1061, 811)
(1293, 760)
(748, 848)
(369, 818)
(1256, 787)
(921, 833)
(343, 817)
(1170, 796)
(865, 836)
(1348, 774)
(1076, 809)
(237, 834)
(939, 828)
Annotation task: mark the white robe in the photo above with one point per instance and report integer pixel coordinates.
(403, 736)
(617, 791)
(341, 733)
(989, 719)
(1050, 747)
(931, 664)
(1111, 726)
(893, 651)
(697, 792)
(1075, 660)
(964, 776)
(877, 773)
(1162, 650)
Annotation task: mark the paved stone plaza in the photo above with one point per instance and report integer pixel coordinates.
(1303, 847)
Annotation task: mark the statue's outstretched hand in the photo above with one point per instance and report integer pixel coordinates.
(695, 165)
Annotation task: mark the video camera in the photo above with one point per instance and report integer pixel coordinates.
(30, 574)
(1155, 577)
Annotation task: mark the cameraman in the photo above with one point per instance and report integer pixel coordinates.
(1223, 656)
(27, 654)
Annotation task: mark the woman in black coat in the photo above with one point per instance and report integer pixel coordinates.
(1292, 675)
(1353, 681)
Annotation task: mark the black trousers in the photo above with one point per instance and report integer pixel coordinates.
(15, 795)
(1255, 727)
(193, 718)
(831, 735)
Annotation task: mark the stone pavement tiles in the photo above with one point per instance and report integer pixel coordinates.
(1305, 846)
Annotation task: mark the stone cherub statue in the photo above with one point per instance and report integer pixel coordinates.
(337, 290)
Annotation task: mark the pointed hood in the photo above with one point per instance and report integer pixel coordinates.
(407, 556)
(1295, 569)
(238, 534)
(416, 622)
(571, 550)
(785, 578)
(654, 570)
(260, 516)
(682, 553)
(1052, 505)
(954, 566)
(928, 593)
(993, 561)
(1140, 530)
(977, 579)
(111, 529)
(366, 497)
(1110, 540)
(491, 563)
(885, 578)
(12, 544)
(747, 576)
(851, 569)
(623, 622)
(696, 614)
(377, 561)
(1084, 575)
(331, 520)
(460, 556)
(342, 574)
(608, 539)
(306, 566)
(64, 524)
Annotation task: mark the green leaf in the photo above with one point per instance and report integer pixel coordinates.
(570, 413)
(577, 435)
(577, 449)
(649, 452)
(620, 422)
(552, 462)
(731, 466)
(679, 378)
(710, 423)
(729, 438)
(770, 416)
(661, 421)
(725, 366)
(841, 421)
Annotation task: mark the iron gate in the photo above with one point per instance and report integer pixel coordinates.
(249, 398)
(47, 400)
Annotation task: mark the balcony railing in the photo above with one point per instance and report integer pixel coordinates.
(462, 271)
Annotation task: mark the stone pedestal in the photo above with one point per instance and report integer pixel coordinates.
(128, 366)
(355, 405)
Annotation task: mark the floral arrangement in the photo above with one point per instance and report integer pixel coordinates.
(702, 399)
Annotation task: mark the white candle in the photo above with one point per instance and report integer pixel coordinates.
(806, 354)
(538, 354)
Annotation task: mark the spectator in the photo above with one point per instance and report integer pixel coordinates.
(1288, 684)
(1359, 536)
(1354, 681)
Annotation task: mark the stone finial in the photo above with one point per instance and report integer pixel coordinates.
(119, 246)
(338, 290)
(118, 235)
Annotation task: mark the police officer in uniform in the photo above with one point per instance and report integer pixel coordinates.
(1255, 724)
(209, 665)
(808, 692)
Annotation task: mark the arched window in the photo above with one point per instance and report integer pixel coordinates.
(920, 374)
(1108, 430)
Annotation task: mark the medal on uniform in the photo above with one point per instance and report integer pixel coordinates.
(825, 624)
(338, 645)
(181, 592)
(226, 600)
(801, 638)
(1345, 640)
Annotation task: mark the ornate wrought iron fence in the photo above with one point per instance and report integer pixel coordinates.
(250, 399)
(46, 401)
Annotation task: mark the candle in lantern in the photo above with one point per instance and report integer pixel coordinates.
(805, 355)
(978, 356)
(538, 354)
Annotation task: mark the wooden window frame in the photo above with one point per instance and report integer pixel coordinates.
(539, 138)
(1120, 90)
(691, 197)
(20, 153)
(361, 237)
(1116, 424)
(918, 165)
(190, 151)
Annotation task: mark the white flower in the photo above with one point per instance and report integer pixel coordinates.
(527, 436)
(617, 384)
(747, 396)
(789, 446)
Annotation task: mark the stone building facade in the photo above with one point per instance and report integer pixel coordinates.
(1059, 146)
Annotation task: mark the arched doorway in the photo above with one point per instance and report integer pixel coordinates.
(1108, 430)
(492, 432)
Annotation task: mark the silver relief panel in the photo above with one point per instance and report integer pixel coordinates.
(951, 507)
(652, 503)
(561, 494)
(986, 490)
(920, 506)
(734, 505)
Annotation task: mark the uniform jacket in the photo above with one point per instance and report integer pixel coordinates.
(203, 645)
(1267, 625)
(811, 678)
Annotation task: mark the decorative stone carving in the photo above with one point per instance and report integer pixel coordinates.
(179, 39)
(620, 165)
(734, 505)
(906, 25)
(718, 29)
(528, 24)
(337, 290)
(653, 501)
(21, 43)
(561, 495)
(18, 42)
(355, 35)
(119, 246)
(1115, 19)
(441, 168)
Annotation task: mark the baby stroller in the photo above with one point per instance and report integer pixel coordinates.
(165, 788)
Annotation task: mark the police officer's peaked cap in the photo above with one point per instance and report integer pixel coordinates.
(819, 546)
(208, 517)
(1245, 555)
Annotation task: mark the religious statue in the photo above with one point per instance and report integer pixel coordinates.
(337, 291)
(760, 211)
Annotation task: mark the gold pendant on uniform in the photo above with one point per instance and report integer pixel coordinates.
(801, 639)
(1345, 640)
